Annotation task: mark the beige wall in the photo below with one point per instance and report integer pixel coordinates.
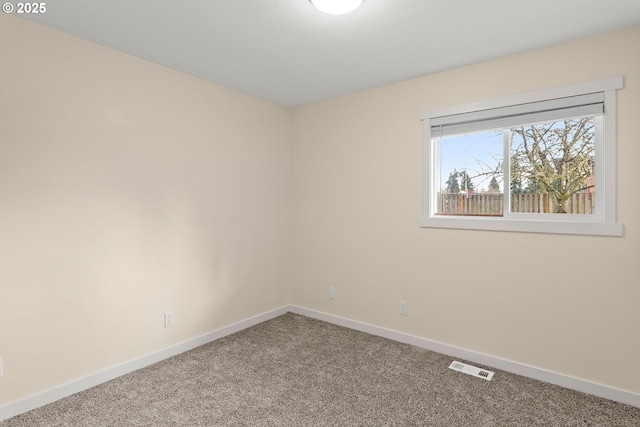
(564, 303)
(127, 190)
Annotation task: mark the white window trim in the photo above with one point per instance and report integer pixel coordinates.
(603, 224)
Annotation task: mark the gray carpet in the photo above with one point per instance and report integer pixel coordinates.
(296, 371)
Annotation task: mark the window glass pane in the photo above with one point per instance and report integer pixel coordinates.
(552, 167)
(469, 174)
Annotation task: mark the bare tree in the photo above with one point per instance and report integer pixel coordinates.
(554, 158)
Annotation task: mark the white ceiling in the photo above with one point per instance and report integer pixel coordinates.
(289, 52)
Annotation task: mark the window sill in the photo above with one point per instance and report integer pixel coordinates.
(525, 226)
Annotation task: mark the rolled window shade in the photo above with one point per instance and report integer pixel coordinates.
(518, 115)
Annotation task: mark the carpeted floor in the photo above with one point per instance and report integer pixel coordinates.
(296, 371)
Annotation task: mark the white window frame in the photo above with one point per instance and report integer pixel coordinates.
(602, 222)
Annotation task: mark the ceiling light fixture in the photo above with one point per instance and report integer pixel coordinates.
(336, 7)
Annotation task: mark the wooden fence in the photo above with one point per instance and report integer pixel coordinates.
(491, 203)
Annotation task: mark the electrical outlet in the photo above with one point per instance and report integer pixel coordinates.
(332, 293)
(404, 309)
(168, 319)
(1, 370)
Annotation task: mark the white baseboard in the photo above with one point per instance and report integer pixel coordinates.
(48, 396)
(584, 386)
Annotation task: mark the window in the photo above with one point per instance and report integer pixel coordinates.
(536, 162)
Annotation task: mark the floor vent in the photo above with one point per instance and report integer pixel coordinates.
(471, 370)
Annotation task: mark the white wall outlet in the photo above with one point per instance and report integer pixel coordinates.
(168, 319)
(332, 293)
(404, 309)
(1, 371)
